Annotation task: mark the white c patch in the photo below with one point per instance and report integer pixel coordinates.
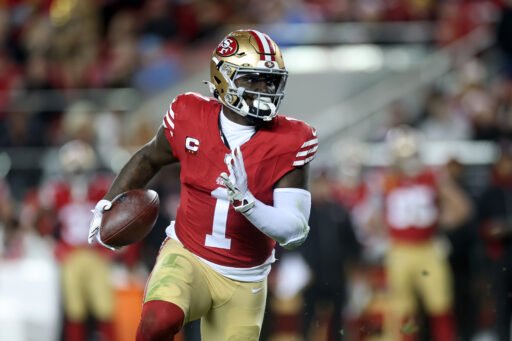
(191, 145)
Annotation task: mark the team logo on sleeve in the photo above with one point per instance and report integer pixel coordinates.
(227, 47)
(192, 145)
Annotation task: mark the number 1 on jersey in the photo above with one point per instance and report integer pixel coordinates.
(220, 216)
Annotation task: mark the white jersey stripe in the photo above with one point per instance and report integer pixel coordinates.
(306, 152)
(309, 143)
(303, 162)
(171, 111)
(167, 127)
(171, 123)
(168, 114)
(310, 158)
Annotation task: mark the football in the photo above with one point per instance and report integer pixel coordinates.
(131, 217)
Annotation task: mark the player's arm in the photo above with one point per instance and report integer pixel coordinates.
(136, 173)
(297, 178)
(143, 165)
(287, 220)
(456, 207)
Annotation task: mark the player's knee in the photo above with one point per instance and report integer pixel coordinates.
(103, 308)
(160, 321)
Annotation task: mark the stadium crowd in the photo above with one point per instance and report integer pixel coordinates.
(64, 45)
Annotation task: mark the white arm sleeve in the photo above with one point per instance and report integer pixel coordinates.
(287, 221)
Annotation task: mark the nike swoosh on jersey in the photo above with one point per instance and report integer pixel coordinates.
(256, 290)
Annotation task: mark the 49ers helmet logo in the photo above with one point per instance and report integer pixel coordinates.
(227, 47)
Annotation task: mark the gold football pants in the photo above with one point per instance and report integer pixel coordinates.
(228, 309)
(417, 270)
(87, 285)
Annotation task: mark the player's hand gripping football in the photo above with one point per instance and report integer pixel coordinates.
(236, 182)
(95, 225)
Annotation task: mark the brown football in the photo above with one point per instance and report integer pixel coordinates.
(131, 217)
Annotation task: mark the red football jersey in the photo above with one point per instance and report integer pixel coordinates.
(206, 223)
(411, 206)
(72, 202)
(351, 196)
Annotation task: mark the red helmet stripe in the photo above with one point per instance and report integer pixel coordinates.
(265, 45)
(259, 42)
(271, 46)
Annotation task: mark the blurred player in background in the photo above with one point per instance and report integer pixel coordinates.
(364, 313)
(233, 207)
(353, 190)
(331, 252)
(416, 202)
(64, 206)
(495, 220)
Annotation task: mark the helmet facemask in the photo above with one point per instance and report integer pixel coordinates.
(259, 105)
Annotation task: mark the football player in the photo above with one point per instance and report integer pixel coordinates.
(417, 201)
(65, 201)
(243, 180)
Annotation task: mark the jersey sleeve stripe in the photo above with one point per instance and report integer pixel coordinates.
(306, 152)
(303, 162)
(309, 143)
(310, 158)
(169, 121)
(167, 129)
(171, 112)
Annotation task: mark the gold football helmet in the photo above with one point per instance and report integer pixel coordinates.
(77, 157)
(241, 53)
(404, 143)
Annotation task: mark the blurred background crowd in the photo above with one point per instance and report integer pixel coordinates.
(405, 94)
